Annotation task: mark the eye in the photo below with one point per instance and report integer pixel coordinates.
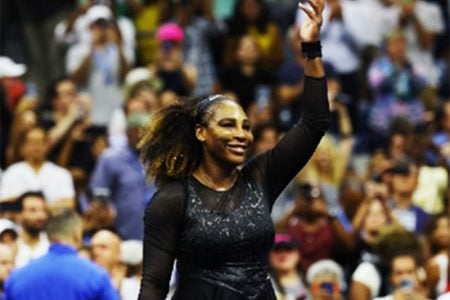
(246, 125)
(227, 123)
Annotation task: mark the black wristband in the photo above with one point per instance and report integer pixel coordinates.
(311, 50)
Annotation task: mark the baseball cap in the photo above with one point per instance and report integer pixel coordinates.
(141, 76)
(98, 12)
(170, 32)
(285, 241)
(8, 68)
(8, 225)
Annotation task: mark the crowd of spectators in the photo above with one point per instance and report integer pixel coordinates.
(368, 217)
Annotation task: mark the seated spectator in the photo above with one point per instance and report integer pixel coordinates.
(370, 279)
(64, 110)
(403, 176)
(246, 78)
(75, 28)
(100, 66)
(61, 273)
(105, 247)
(404, 279)
(317, 229)
(32, 241)
(395, 86)
(284, 259)
(327, 167)
(252, 17)
(36, 173)
(371, 217)
(141, 95)
(119, 173)
(422, 22)
(326, 280)
(202, 34)
(437, 266)
(170, 65)
(6, 264)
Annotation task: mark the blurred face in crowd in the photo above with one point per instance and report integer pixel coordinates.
(250, 9)
(396, 48)
(323, 156)
(149, 98)
(227, 135)
(310, 207)
(105, 246)
(248, 51)
(34, 147)
(398, 146)
(441, 233)
(376, 218)
(144, 99)
(6, 262)
(284, 259)
(34, 215)
(325, 286)
(403, 268)
(405, 184)
(267, 140)
(100, 31)
(66, 94)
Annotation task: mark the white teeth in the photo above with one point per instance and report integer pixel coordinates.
(237, 149)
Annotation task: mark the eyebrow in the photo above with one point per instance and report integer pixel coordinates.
(232, 120)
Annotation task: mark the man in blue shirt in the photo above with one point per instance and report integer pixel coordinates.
(120, 175)
(61, 273)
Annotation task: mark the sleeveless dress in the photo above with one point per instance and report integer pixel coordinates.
(221, 240)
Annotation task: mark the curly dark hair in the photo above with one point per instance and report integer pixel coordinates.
(168, 147)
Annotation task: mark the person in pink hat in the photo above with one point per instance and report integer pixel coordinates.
(169, 66)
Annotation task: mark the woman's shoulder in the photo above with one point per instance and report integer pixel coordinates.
(171, 194)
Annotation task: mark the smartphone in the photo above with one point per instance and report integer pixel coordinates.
(327, 287)
(262, 96)
(407, 284)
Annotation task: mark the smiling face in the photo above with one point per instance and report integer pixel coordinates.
(226, 135)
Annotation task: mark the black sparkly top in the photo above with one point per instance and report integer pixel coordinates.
(223, 238)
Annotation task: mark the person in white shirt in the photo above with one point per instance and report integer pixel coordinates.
(36, 173)
(32, 241)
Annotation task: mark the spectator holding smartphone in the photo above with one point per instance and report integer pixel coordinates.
(326, 280)
(404, 279)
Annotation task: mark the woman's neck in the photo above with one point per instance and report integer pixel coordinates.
(215, 177)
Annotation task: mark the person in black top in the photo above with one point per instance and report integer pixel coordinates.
(212, 210)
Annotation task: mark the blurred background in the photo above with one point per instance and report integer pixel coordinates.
(78, 79)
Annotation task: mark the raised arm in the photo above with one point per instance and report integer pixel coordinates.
(277, 167)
